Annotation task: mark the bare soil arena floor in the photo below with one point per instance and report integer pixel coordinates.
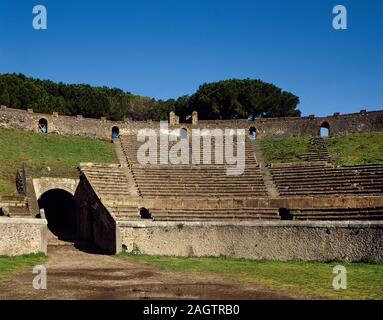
(76, 274)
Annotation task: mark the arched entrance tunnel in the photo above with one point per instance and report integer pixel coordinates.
(60, 212)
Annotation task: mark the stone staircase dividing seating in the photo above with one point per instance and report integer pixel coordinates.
(192, 180)
(14, 207)
(316, 179)
(107, 180)
(318, 151)
(126, 168)
(214, 214)
(338, 214)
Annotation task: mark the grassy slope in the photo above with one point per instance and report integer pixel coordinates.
(284, 150)
(358, 148)
(17, 263)
(61, 154)
(310, 279)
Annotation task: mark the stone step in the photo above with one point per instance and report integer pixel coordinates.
(202, 193)
(346, 217)
(177, 181)
(220, 210)
(316, 193)
(338, 212)
(324, 184)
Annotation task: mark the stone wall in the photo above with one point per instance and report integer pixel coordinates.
(280, 202)
(22, 236)
(282, 240)
(266, 128)
(94, 222)
(44, 184)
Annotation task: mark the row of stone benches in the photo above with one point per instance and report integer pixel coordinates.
(169, 181)
(327, 180)
(131, 146)
(106, 180)
(129, 213)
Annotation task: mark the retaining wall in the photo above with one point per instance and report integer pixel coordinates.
(282, 240)
(22, 236)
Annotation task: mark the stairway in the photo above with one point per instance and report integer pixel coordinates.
(133, 188)
(14, 207)
(267, 178)
(318, 151)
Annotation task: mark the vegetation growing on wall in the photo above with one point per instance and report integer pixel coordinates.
(47, 155)
(227, 99)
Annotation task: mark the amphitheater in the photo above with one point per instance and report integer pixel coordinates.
(311, 210)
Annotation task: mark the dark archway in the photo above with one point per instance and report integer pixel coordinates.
(253, 133)
(145, 214)
(60, 211)
(115, 133)
(43, 125)
(285, 214)
(325, 129)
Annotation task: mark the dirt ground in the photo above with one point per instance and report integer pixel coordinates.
(76, 274)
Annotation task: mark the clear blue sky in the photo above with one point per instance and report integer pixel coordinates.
(168, 48)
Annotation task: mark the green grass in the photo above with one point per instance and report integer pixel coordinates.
(17, 263)
(359, 148)
(284, 150)
(304, 279)
(352, 149)
(49, 155)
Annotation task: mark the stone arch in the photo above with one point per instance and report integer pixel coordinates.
(42, 185)
(324, 130)
(43, 125)
(115, 132)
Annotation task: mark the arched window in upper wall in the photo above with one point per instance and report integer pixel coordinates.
(253, 133)
(184, 133)
(43, 125)
(115, 133)
(325, 130)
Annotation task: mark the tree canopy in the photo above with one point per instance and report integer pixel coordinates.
(235, 99)
(229, 99)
